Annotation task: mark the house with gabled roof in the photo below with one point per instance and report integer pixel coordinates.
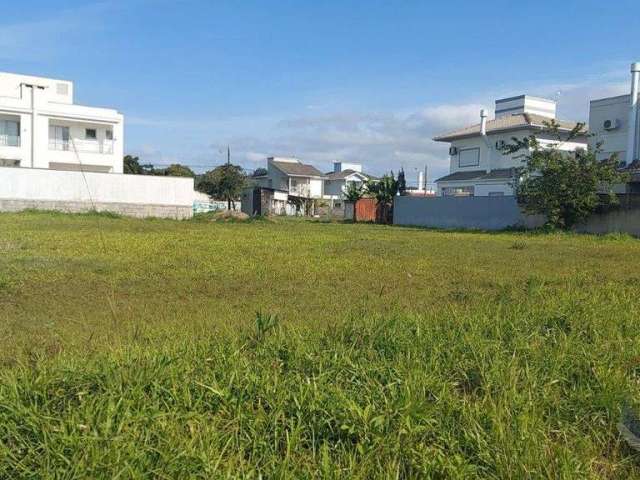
(477, 164)
(290, 175)
(343, 174)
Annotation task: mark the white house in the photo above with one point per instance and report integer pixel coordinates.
(57, 155)
(615, 123)
(41, 127)
(478, 167)
(343, 174)
(292, 176)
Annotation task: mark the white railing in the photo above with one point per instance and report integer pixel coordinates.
(300, 190)
(85, 146)
(9, 140)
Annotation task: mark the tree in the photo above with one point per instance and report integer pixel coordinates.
(565, 187)
(177, 170)
(402, 183)
(224, 182)
(132, 166)
(259, 172)
(383, 189)
(354, 191)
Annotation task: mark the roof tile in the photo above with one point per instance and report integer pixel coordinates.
(505, 123)
(297, 169)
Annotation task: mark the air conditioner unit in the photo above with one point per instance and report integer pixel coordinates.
(453, 151)
(500, 144)
(611, 124)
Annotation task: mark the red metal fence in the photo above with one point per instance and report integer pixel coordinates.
(368, 210)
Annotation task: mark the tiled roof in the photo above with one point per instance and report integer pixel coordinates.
(498, 174)
(344, 174)
(297, 169)
(504, 124)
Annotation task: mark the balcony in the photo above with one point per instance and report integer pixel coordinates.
(300, 190)
(82, 146)
(9, 140)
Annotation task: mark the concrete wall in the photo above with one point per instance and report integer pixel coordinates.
(622, 220)
(496, 213)
(349, 211)
(484, 213)
(136, 195)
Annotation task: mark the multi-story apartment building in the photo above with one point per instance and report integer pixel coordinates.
(41, 127)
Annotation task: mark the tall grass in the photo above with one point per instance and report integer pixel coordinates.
(376, 353)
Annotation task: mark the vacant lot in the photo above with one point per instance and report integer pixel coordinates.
(134, 348)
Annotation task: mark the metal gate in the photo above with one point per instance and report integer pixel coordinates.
(366, 210)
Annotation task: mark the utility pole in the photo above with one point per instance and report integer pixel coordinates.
(426, 180)
(228, 171)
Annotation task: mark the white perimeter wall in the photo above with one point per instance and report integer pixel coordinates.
(61, 186)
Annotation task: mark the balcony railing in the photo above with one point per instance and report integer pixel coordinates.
(302, 190)
(9, 140)
(84, 146)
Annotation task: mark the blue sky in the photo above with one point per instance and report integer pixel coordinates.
(364, 81)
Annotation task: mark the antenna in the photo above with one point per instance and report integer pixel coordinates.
(112, 294)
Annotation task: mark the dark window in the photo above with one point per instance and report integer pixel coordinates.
(4, 162)
(109, 134)
(469, 157)
(458, 191)
(90, 134)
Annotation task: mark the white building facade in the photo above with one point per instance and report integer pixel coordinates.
(290, 175)
(477, 164)
(57, 155)
(41, 127)
(615, 123)
(343, 174)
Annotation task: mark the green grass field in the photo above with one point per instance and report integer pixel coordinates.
(133, 349)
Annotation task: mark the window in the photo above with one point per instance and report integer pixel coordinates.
(109, 134)
(90, 134)
(458, 191)
(9, 133)
(7, 162)
(58, 137)
(469, 157)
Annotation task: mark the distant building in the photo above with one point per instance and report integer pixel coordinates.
(57, 155)
(615, 125)
(290, 175)
(267, 201)
(477, 165)
(41, 127)
(343, 174)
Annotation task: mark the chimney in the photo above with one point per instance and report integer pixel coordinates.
(632, 148)
(483, 122)
(483, 132)
(420, 181)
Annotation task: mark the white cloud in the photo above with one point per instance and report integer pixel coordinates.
(380, 140)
